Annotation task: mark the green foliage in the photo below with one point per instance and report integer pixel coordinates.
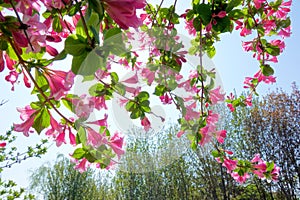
(61, 181)
(11, 156)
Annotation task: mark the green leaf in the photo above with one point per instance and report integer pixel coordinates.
(232, 4)
(211, 52)
(114, 78)
(77, 61)
(91, 64)
(204, 11)
(97, 7)
(67, 104)
(78, 153)
(75, 45)
(272, 50)
(112, 32)
(180, 102)
(11, 53)
(160, 90)
(81, 136)
(270, 166)
(56, 25)
(142, 96)
(145, 106)
(223, 24)
(267, 70)
(130, 105)
(215, 153)
(62, 55)
(3, 45)
(120, 88)
(197, 24)
(136, 113)
(41, 82)
(41, 120)
(97, 89)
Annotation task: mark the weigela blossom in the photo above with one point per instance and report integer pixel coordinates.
(240, 179)
(27, 115)
(165, 99)
(2, 144)
(60, 82)
(146, 123)
(123, 12)
(95, 139)
(216, 95)
(82, 165)
(116, 143)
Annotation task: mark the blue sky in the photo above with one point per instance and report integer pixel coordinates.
(232, 63)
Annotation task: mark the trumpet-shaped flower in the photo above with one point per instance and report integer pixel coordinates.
(60, 82)
(123, 12)
(116, 143)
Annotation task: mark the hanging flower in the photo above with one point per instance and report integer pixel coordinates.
(123, 12)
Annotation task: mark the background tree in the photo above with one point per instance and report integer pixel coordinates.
(10, 156)
(61, 181)
(271, 127)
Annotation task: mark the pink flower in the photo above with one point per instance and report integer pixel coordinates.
(260, 169)
(244, 32)
(190, 27)
(275, 173)
(146, 123)
(165, 99)
(149, 75)
(9, 62)
(230, 106)
(285, 32)
(238, 178)
(221, 135)
(100, 122)
(27, 115)
(25, 112)
(248, 100)
(94, 138)
(258, 3)
(230, 164)
(82, 166)
(3, 144)
(99, 102)
(216, 96)
(1, 61)
(256, 158)
(123, 12)
(221, 14)
(36, 32)
(60, 82)
(60, 139)
(56, 128)
(132, 80)
(84, 106)
(52, 51)
(72, 138)
(247, 46)
(191, 113)
(25, 126)
(116, 143)
(266, 79)
(180, 133)
(12, 78)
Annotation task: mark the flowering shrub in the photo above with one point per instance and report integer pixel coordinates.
(96, 34)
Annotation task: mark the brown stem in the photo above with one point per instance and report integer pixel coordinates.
(90, 42)
(22, 25)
